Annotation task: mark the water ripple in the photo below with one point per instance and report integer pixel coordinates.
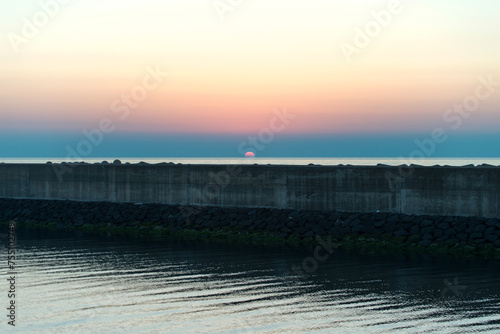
(86, 285)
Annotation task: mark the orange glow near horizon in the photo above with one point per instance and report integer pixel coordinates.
(227, 76)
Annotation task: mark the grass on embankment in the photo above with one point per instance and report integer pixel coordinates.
(365, 244)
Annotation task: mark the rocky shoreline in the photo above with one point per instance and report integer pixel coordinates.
(419, 231)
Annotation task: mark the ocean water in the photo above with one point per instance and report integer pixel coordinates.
(280, 161)
(74, 283)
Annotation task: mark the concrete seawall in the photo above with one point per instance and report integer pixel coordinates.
(444, 191)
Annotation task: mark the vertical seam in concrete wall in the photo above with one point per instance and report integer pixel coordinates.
(399, 209)
(28, 183)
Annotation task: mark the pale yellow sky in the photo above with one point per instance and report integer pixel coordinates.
(226, 75)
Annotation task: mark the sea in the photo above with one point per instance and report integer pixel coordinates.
(276, 161)
(71, 282)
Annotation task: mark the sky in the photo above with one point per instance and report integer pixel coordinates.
(218, 78)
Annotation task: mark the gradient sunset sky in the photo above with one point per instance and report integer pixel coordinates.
(67, 67)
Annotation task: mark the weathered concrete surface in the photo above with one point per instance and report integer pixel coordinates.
(450, 191)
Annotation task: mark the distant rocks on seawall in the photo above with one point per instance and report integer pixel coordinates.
(115, 162)
(380, 165)
(284, 223)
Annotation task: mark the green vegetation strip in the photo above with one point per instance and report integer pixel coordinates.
(365, 244)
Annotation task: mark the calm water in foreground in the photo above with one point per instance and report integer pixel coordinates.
(71, 283)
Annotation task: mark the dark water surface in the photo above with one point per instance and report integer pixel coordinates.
(70, 283)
